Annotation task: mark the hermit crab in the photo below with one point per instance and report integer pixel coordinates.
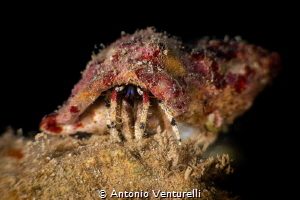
(149, 80)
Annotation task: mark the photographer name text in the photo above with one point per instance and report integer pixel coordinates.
(195, 193)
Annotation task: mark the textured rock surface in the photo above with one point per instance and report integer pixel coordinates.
(69, 168)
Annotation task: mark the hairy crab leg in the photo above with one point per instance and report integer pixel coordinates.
(112, 117)
(171, 119)
(140, 123)
(127, 120)
(107, 105)
(126, 115)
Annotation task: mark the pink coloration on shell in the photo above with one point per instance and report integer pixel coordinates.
(214, 76)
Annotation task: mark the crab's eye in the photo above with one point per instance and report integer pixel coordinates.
(119, 88)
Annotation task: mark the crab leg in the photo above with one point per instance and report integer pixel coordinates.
(112, 117)
(140, 124)
(171, 119)
(127, 120)
(107, 105)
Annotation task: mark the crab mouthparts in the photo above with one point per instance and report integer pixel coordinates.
(127, 109)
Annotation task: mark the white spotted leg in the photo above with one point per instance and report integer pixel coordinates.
(140, 123)
(127, 120)
(171, 119)
(111, 121)
(107, 105)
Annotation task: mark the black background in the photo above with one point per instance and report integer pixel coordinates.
(44, 48)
